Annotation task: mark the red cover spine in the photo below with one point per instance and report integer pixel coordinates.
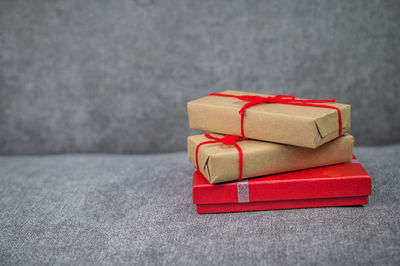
(281, 204)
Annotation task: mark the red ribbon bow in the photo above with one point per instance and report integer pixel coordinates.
(283, 99)
(226, 140)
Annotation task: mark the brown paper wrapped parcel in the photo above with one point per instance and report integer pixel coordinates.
(303, 126)
(220, 163)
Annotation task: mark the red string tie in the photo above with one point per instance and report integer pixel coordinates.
(282, 99)
(226, 140)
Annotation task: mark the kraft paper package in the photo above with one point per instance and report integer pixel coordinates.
(304, 126)
(219, 162)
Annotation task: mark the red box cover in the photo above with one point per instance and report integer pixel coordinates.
(335, 185)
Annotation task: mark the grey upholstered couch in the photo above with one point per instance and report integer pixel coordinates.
(93, 127)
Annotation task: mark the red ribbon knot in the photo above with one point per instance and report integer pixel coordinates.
(226, 140)
(282, 99)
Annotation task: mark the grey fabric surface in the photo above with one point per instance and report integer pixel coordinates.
(124, 209)
(114, 76)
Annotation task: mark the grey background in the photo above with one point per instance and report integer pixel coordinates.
(115, 76)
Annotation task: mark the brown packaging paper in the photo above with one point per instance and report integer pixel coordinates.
(303, 126)
(220, 163)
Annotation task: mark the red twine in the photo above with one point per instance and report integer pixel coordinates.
(283, 99)
(226, 140)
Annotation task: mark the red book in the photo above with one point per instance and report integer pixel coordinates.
(335, 185)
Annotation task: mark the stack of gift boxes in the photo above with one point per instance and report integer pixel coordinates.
(272, 152)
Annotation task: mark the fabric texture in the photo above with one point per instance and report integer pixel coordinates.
(124, 209)
(114, 76)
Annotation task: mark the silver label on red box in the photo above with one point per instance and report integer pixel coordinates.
(243, 191)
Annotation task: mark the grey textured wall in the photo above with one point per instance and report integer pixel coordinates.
(115, 76)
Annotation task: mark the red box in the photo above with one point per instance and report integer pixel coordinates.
(336, 185)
